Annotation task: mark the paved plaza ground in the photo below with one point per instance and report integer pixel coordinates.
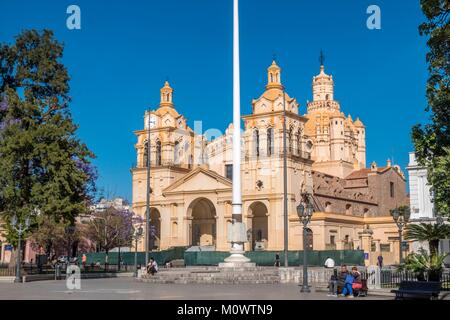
(129, 289)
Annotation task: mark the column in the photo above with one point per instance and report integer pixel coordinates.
(366, 244)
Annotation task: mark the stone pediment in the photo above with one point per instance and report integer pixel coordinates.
(199, 179)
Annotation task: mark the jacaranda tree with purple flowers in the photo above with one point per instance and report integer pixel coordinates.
(42, 162)
(110, 229)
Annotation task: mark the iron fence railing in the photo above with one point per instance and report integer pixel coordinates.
(392, 279)
(7, 272)
(32, 269)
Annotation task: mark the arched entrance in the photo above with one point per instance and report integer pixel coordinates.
(203, 224)
(260, 226)
(155, 229)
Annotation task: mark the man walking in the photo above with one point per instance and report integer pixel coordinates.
(380, 261)
(277, 259)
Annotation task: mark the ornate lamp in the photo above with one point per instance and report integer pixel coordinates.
(305, 211)
(137, 235)
(401, 217)
(20, 228)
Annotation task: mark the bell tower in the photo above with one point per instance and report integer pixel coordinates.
(323, 84)
(166, 96)
(274, 77)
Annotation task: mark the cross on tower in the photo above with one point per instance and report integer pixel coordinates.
(321, 58)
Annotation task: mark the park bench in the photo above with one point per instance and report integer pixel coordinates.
(358, 292)
(417, 290)
(363, 291)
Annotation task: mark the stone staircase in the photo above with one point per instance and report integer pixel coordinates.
(215, 275)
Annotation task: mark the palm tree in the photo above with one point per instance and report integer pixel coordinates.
(431, 233)
(423, 262)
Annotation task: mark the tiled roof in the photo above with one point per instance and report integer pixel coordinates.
(363, 173)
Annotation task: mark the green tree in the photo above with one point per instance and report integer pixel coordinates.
(42, 162)
(431, 233)
(432, 141)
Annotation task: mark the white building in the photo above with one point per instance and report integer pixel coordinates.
(420, 197)
(422, 208)
(117, 203)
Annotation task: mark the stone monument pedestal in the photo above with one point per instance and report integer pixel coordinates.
(237, 236)
(237, 260)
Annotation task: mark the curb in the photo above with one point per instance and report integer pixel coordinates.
(373, 292)
(7, 279)
(32, 278)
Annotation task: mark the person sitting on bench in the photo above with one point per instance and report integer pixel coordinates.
(152, 267)
(333, 284)
(357, 280)
(341, 278)
(348, 289)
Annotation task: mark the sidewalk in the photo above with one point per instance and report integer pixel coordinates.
(385, 292)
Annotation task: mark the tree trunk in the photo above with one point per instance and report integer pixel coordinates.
(434, 247)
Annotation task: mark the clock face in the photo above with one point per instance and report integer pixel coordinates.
(152, 122)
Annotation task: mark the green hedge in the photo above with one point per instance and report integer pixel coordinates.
(267, 258)
(161, 257)
(213, 258)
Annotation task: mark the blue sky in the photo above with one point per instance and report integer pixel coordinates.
(125, 50)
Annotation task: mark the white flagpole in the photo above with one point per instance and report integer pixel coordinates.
(237, 197)
(238, 233)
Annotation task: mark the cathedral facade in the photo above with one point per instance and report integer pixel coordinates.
(191, 176)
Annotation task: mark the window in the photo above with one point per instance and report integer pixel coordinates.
(269, 141)
(158, 153)
(259, 235)
(328, 207)
(299, 143)
(145, 162)
(256, 141)
(290, 140)
(176, 150)
(348, 209)
(175, 230)
(391, 187)
(229, 171)
(333, 240)
(191, 161)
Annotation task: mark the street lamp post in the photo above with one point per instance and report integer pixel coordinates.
(20, 228)
(305, 211)
(147, 205)
(137, 236)
(401, 217)
(285, 184)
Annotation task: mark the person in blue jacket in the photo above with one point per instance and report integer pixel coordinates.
(348, 290)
